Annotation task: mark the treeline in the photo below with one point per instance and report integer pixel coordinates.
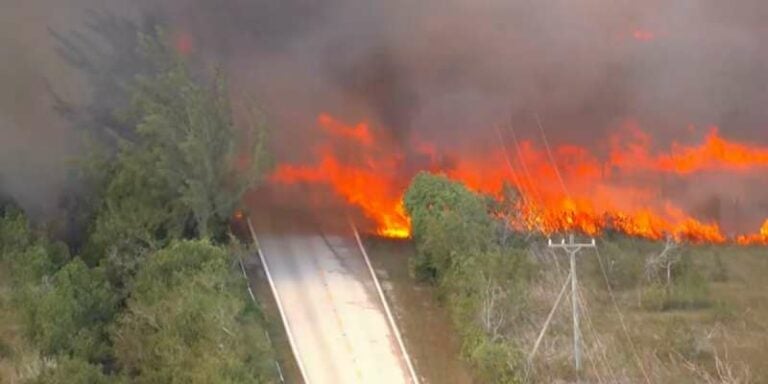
(151, 295)
(481, 272)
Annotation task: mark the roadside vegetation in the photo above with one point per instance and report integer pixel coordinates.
(651, 311)
(148, 291)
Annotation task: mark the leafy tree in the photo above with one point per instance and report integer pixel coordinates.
(182, 174)
(15, 234)
(459, 248)
(448, 222)
(183, 322)
(189, 165)
(66, 370)
(190, 129)
(71, 313)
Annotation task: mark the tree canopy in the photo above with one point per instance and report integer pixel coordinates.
(152, 296)
(481, 278)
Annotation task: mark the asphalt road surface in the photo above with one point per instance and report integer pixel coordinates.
(330, 301)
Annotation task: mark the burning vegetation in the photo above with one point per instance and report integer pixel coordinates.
(562, 188)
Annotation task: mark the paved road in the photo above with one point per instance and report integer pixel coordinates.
(337, 320)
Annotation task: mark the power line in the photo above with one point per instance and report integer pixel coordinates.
(572, 248)
(597, 253)
(551, 157)
(548, 320)
(512, 170)
(603, 358)
(621, 318)
(534, 190)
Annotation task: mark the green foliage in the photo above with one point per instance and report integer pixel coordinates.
(169, 163)
(183, 323)
(64, 306)
(71, 313)
(690, 289)
(183, 172)
(198, 151)
(71, 371)
(624, 261)
(482, 280)
(448, 221)
(15, 234)
(495, 361)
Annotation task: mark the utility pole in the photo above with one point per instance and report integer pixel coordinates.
(572, 248)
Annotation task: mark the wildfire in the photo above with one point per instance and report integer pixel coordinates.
(370, 187)
(568, 189)
(758, 238)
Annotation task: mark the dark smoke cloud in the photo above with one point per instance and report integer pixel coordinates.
(445, 70)
(435, 65)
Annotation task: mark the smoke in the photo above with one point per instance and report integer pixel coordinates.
(584, 65)
(441, 70)
(448, 71)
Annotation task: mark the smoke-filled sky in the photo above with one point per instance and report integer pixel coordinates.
(444, 70)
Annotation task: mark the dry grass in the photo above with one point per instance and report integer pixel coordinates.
(723, 341)
(427, 329)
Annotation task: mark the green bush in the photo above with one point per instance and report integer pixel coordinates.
(185, 324)
(15, 235)
(690, 291)
(72, 371)
(624, 261)
(495, 362)
(71, 314)
(460, 250)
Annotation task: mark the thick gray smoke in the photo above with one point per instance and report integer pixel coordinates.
(448, 66)
(445, 70)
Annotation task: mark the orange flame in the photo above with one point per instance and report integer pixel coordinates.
(573, 191)
(760, 238)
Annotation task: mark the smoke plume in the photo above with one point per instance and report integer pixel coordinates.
(437, 70)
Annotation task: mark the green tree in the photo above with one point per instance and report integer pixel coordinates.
(184, 324)
(71, 313)
(198, 150)
(185, 171)
(66, 370)
(459, 248)
(15, 234)
(448, 222)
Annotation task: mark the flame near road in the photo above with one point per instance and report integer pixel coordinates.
(567, 188)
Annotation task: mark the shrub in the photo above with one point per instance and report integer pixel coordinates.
(185, 324)
(459, 249)
(71, 314)
(71, 371)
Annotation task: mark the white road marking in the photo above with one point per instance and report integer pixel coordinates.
(338, 325)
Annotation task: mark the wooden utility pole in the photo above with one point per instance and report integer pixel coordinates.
(572, 248)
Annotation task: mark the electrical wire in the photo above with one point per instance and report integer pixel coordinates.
(512, 170)
(551, 157)
(621, 318)
(534, 190)
(599, 258)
